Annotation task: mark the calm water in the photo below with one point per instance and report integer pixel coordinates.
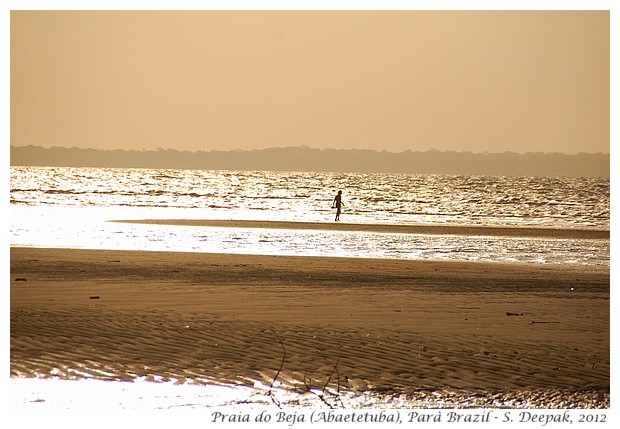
(70, 207)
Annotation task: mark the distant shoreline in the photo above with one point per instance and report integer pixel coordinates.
(387, 228)
(308, 159)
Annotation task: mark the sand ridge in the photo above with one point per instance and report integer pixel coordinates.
(386, 228)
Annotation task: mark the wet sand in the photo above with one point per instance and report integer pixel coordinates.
(387, 228)
(503, 334)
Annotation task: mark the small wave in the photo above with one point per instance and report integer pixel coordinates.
(17, 190)
(64, 192)
(163, 176)
(272, 197)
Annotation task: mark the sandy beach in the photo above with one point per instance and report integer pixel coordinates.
(484, 334)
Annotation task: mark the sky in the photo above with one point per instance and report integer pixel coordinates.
(460, 80)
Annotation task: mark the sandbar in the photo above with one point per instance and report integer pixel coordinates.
(387, 228)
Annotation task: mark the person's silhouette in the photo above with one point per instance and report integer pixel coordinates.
(337, 204)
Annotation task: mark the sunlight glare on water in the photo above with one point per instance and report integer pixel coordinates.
(71, 207)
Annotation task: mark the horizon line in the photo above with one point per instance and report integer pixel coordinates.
(307, 147)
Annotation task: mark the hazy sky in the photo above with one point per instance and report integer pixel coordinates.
(475, 81)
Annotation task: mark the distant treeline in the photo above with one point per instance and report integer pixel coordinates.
(320, 160)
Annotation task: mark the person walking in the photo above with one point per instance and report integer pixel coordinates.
(337, 204)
